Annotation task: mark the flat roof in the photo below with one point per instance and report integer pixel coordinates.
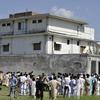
(45, 15)
(68, 19)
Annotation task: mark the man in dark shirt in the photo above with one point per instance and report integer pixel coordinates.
(39, 89)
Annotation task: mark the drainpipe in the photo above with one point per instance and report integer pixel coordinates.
(0, 45)
(52, 44)
(11, 45)
(71, 46)
(26, 25)
(88, 69)
(13, 26)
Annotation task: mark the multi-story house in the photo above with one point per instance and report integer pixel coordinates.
(30, 33)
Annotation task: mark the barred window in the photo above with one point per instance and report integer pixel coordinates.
(40, 21)
(37, 46)
(57, 46)
(6, 48)
(34, 21)
(19, 26)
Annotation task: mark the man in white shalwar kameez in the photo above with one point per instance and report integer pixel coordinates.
(23, 87)
(67, 89)
(80, 86)
(33, 87)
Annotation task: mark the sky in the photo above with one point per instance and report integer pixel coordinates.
(86, 10)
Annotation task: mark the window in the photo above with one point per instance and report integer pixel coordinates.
(68, 42)
(98, 67)
(40, 21)
(82, 48)
(3, 25)
(34, 21)
(19, 26)
(6, 48)
(37, 46)
(57, 46)
(78, 43)
(80, 28)
(93, 66)
(8, 24)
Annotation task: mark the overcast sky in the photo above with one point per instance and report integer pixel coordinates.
(86, 10)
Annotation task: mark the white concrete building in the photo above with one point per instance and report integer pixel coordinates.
(29, 33)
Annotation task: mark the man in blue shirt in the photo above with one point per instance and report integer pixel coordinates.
(12, 85)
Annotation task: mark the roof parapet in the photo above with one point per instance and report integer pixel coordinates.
(22, 14)
(35, 14)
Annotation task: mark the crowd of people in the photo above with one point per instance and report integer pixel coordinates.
(56, 84)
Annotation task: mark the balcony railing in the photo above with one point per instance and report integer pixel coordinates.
(6, 33)
(22, 32)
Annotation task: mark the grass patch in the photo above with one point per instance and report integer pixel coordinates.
(4, 92)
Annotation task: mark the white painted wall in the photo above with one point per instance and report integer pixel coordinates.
(23, 45)
(70, 29)
(36, 27)
(91, 31)
(87, 34)
(16, 31)
(5, 29)
(54, 25)
(5, 41)
(76, 48)
(72, 48)
(49, 45)
(60, 26)
(65, 49)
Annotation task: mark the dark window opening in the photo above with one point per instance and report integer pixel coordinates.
(37, 46)
(19, 26)
(8, 24)
(50, 38)
(6, 48)
(3, 25)
(93, 67)
(68, 42)
(34, 21)
(98, 67)
(78, 43)
(57, 46)
(40, 21)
